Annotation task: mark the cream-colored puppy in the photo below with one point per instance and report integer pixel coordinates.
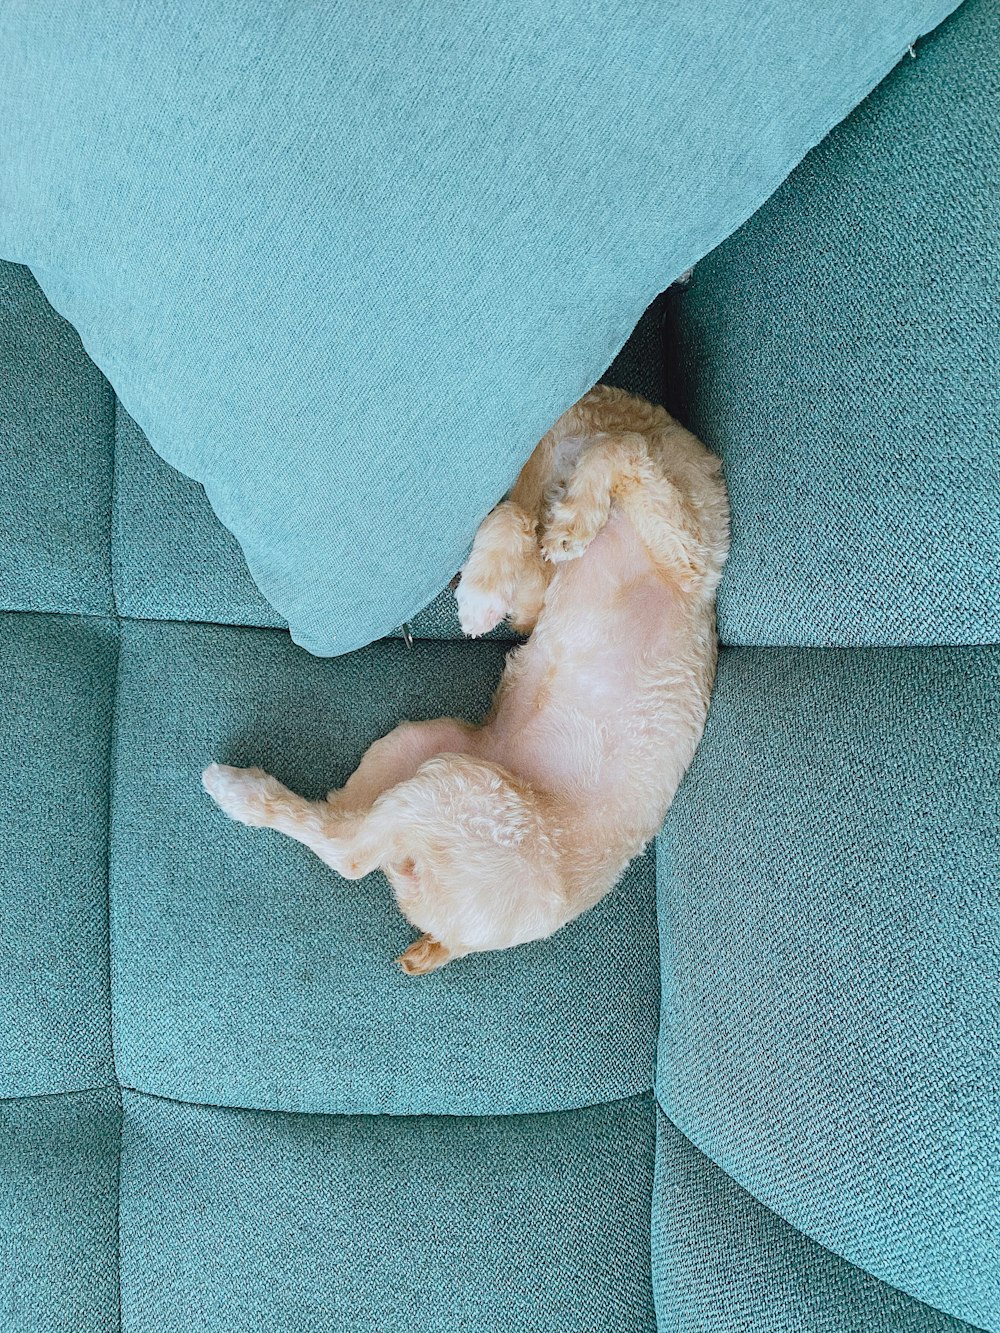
(608, 553)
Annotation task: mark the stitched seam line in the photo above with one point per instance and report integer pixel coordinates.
(59, 1092)
(111, 768)
(795, 1226)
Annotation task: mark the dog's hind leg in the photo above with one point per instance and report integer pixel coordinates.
(667, 526)
(684, 527)
(342, 840)
(333, 828)
(253, 797)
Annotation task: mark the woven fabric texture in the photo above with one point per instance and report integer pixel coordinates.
(57, 678)
(830, 930)
(724, 1262)
(55, 409)
(59, 1159)
(434, 1223)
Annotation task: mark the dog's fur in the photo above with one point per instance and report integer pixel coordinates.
(608, 553)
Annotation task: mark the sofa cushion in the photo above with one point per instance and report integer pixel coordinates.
(248, 973)
(243, 971)
(724, 1263)
(842, 353)
(57, 682)
(346, 265)
(830, 932)
(59, 1212)
(344, 1224)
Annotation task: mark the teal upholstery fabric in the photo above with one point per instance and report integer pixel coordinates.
(344, 265)
(436, 1223)
(842, 354)
(57, 678)
(827, 881)
(213, 1080)
(724, 1262)
(55, 409)
(59, 1212)
(830, 922)
(173, 560)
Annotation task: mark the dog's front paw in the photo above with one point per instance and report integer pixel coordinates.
(245, 794)
(567, 534)
(480, 608)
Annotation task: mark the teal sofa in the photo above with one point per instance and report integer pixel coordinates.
(757, 1090)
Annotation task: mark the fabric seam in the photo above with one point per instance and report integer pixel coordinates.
(644, 1094)
(973, 1328)
(112, 765)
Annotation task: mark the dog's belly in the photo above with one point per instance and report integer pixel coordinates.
(586, 709)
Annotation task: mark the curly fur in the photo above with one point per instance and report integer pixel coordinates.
(608, 552)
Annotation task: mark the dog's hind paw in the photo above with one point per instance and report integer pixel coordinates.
(245, 794)
(424, 955)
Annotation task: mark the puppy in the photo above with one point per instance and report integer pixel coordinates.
(607, 553)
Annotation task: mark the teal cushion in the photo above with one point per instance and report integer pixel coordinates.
(830, 932)
(59, 1213)
(237, 1220)
(57, 681)
(724, 1263)
(344, 265)
(247, 973)
(173, 560)
(842, 353)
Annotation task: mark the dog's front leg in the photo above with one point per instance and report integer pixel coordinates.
(505, 576)
(609, 465)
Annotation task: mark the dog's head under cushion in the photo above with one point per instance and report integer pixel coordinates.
(470, 852)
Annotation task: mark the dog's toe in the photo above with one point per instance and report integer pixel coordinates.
(561, 544)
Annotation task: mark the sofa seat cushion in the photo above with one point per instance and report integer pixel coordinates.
(235, 1219)
(723, 1263)
(841, 353)
(248, 973)
(830, 930)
